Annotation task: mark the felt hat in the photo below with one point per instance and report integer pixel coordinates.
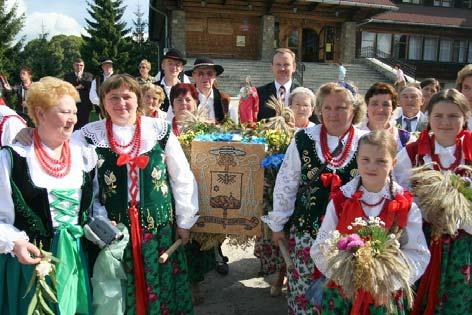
(205, 62)
(175, 54)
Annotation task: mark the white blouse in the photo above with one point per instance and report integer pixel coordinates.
(288, 178)
(402, 171)
(83, 158)
(182, 181)
(10, 127)
(412, 243)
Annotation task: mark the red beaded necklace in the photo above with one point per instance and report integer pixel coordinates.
(372, 205)
(457, 154)
(134, 144)
(332, 160)
(57, 168)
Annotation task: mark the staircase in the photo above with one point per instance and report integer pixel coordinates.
(315, 74)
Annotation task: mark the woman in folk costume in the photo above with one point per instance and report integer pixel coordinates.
(372, 194)
(464, 85)
(445, 288)
(319, 159)
(45, 195)
(141, 169)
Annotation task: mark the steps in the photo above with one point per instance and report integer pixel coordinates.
(316, 74)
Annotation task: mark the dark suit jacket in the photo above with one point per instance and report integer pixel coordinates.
(84, 106)
(421, 124)
(265, 92)
(220, 104)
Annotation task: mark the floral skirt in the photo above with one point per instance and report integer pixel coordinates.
(302, 275)
(455, 287)
(269, 255)
(168, 288)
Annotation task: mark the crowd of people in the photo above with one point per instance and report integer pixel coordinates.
(107, 146)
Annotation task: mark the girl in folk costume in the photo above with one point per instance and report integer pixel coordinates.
(45, 195)
(372, 194)
(445, 288)
(141, 169)
(319, 159)
(153, 96)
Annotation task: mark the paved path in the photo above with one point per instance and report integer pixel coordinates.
(242, 291)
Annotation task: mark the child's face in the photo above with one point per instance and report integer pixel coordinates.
(151, 101)
(446, 120)
(375, 164)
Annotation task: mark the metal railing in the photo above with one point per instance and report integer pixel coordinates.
(371, 52)
(298, 75)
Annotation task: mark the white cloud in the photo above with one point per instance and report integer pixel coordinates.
(54, 24)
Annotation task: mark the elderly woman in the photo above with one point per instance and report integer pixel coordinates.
(144, 76)
(429, 87)
(319, 159)
(381, 100)
(153, 96)
(145, 182)
(302, 102)
(445, 147)
(464, 85)
(45, 193)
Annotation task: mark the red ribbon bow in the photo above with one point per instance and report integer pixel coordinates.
(330, 179)
(140, 161)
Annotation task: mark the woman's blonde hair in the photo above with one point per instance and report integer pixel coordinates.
(357, 103)
(146, 63)
(157, 90)
(462, 74)
(45, 94)
(117, 81)
(382, 139)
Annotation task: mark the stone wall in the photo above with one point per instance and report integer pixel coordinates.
(348, 42)
(268, 29)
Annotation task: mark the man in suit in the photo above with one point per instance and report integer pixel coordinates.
(283, 68)
(412, 119)
(204, 74)
(81, 81)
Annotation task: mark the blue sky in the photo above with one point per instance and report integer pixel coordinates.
(65, 16)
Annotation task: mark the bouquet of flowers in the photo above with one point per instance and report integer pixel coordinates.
(444, 197)
(368, 261)
(44, 294)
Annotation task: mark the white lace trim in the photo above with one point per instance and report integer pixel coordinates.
(153, 130)
(371, 197)
(314, 134)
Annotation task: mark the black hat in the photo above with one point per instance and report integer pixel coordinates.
(175, 54)
(205, 62)
(106, 61)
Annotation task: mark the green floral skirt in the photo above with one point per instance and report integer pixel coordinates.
(168, 288)
(199, 261)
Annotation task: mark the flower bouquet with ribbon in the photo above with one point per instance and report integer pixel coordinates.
(444, 198)
(44, 294)
(368, 265)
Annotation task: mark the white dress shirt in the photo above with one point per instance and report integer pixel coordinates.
(93, 96)
(208, 103)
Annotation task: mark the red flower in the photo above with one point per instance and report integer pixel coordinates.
(301, 301)
(291, 244)
(305, 254)
(331, 304)
(316, 274)
(465, 270)
(295, 274)
(152, 297)
(175, 268)
(147, 237)
(164, 310)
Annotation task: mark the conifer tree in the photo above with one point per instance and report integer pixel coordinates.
(106, 35)
(10, 25)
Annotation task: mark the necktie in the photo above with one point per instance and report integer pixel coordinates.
(408, 122)
(282, 93)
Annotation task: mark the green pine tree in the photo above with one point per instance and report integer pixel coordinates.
(106, 37)
(10, 25)
(141, 46)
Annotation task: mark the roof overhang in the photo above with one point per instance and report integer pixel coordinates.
(357, 4)
(419, 24)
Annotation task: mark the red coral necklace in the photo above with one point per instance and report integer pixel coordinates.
(135, 143)
(457, 154)
(57, 168)
(329, 158)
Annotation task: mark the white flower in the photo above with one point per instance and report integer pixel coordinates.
(43, 268)
(349, 227)
(156, 174)
(164, 189)
(392, 236)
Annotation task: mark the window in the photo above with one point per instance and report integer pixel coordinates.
(384, 43)
(443, 3)
(445, 50)
(469, 58)
(467, 4)
(430, 49)
(412, 1)
(458, 51)
(399, 46)
(367, 44)
(414, 47)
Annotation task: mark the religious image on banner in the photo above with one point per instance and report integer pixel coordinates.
(230, 185)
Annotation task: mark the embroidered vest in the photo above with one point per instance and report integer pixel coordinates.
(312, 196)
(32, 209)
(155, 197)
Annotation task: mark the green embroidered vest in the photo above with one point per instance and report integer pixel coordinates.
(312, 196)
(155, 197)
(32, 208)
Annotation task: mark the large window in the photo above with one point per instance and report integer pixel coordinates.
(445, 50)
(399, 46)
(443, 3)
(430, 50)
(414, 48)
(384, 43)
(412, 1)
(368, 40)
(459, 51)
